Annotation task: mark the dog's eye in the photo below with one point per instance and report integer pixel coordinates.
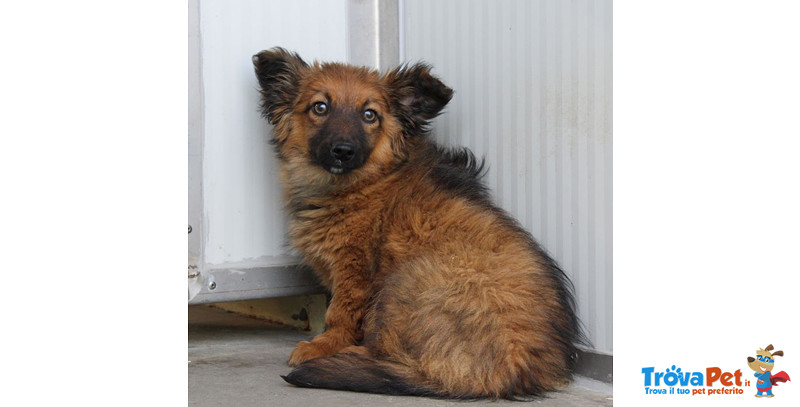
(369, 116)
(320, 108)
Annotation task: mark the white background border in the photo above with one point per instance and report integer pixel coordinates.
(706, 204)
(93, 167)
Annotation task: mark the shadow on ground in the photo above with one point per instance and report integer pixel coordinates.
(237, 361)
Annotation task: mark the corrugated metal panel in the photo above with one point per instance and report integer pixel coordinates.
(533, 95)
(242, 200)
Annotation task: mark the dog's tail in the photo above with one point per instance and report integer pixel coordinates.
(357, 372)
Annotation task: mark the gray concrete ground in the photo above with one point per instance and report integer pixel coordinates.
(236, 361)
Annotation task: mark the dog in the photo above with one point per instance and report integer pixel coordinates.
(435, 290)
(763, 364)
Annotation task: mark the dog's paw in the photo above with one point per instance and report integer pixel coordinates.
(306, 351)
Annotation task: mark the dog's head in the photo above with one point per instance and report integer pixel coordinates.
(343, 119)
(764, 360)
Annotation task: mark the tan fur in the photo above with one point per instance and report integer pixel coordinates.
(448, 290)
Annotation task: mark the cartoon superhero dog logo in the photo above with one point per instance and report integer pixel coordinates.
(762, 364)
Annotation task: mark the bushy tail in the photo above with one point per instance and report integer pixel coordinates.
(356, 372)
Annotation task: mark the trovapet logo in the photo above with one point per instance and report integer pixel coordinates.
(674, 381)
(715, 380)
(763, 364)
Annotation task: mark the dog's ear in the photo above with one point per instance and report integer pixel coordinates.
(417, 96)
(777, 353)
(278, 72)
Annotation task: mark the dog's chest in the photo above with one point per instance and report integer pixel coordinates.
(333, 234)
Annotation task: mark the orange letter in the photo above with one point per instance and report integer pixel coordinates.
(712, 374)
(726, 379)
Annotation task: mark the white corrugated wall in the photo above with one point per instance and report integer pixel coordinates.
(243, 210)
(533, 95)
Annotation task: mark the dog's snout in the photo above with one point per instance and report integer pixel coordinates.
(750, 359)
(343, 151)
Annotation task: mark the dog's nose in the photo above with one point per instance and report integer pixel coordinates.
(343, 151)
(750, 359)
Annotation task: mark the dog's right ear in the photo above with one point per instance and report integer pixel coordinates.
(278, 72)
(418, 96)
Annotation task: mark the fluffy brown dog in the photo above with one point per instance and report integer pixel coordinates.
(435, 290)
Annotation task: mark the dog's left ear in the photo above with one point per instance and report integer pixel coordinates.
(278, 72)
(417, 96)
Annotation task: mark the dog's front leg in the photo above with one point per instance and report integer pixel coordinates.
(343, 319)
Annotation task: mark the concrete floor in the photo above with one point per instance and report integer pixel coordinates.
(236, 361)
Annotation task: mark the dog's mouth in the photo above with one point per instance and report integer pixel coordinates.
(338, 154)
(337, 162)
(337, 167)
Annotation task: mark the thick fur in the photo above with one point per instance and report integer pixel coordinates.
(436, 291)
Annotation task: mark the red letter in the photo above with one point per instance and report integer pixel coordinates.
(712, 374)
(726, 379)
